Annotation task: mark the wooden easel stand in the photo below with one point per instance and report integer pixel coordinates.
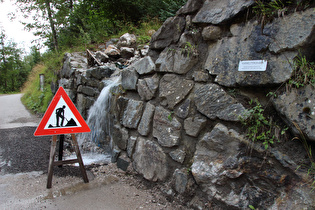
(53, 163)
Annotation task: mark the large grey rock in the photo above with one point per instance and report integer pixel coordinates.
(87, 90)
(183, 110)
(227, 174)
(193, 125)
(112, 51)
(144, 66)
(176, 61)
(187, 42)
(166, 128)
(132, 113)
(178, 155)
(123, 161)
(174, 89)
(168, 33)
(211, 33)
(129, 78)
(150, 160)
(127, 52)
(83, 103)
(81, 80)
(212, 101)
(190, 7)
(131, 145)
(201, 76)
(297, 198)
(247, 43)
(100, 72)
(292, 32)
(73, 62)
(145, 124)
(67, 83)
(101, 56)
(180, 180)
(67, 69)
(220, 11)
(127, 40)
(147, 87)
(210, 166)
(298, 106)
(119, 136)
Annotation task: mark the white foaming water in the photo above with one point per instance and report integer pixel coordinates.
(91, 158)
(99, 123)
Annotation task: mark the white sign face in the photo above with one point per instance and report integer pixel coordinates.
(252, 65)
(62, 117)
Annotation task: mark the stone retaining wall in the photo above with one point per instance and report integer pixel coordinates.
(176, 116)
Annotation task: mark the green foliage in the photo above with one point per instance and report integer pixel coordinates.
(170, 7)
(251, 207)
(304, 73)
(94, 21)
(71, 23)
(33, 98)
(169, 117)
(189, 49)
(270, 9)
(272, 94)
(259, 127)
(13, 68)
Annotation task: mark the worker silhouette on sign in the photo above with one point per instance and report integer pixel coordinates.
(60, 113)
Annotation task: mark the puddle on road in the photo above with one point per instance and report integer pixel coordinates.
(78, 187)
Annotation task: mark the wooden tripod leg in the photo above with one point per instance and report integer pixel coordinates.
(77, 151)
(51, 161)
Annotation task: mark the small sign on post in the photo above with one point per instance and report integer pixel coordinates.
(62, 117)
(42, 82)
(252, 65)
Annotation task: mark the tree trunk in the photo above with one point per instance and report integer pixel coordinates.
(52, 24)
(4, 70)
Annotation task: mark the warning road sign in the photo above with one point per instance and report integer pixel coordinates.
(61, 117)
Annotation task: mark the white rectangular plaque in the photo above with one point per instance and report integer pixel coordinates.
(252, 65)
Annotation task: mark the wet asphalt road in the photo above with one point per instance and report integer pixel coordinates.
(14, 114)
(20, 151)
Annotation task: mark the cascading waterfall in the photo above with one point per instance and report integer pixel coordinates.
(98, 119)
(98, 116)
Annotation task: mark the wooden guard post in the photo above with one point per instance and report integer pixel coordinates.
(53, 163)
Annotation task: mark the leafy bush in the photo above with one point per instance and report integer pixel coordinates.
(94, 21)
(170, 7)
(259, 127)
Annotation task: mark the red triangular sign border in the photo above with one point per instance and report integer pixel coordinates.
(41, 131)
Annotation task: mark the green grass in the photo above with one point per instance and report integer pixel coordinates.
(35, 99)
(303, 74)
